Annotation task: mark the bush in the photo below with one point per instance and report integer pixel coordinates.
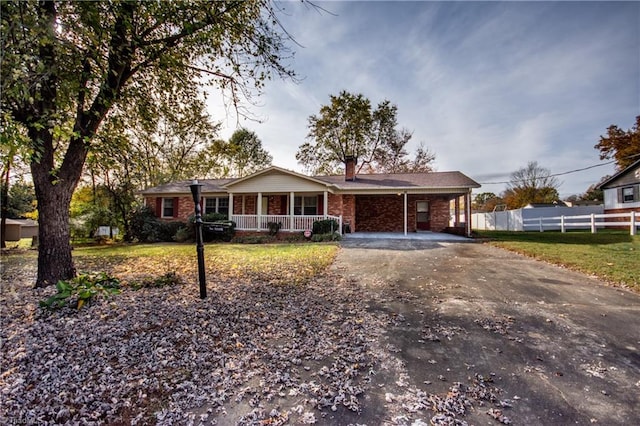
(80, 290)
(144, 225)
(326, 226)
(274, 227)
(254, 239)
(184, 235)
(168, 230)
(319, 238)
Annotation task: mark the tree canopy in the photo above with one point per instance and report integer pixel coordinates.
(620, 145)
(242, 155)
(67, 66)
(350, 127)
(530, 184)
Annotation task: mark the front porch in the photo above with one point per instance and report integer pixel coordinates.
(289, 223)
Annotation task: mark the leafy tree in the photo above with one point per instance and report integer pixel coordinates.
(622, 146)
(486, 201)
(13, 154)
(90, 208)
(21, 201)
(68, 66)
(138, 150)
(594, 193)
(349, 127)
(242, 155)
(422, 161)
(530, 184)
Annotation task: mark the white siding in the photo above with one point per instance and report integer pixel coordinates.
(276, 183)
(611, 200)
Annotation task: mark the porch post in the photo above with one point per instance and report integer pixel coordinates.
(230, 205)
(259, 211)
(456, 218)
(292, 198)
(467, 215)
(405, 212)
(325, 208)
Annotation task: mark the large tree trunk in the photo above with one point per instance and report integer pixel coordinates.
(53, 193)
(54, 249)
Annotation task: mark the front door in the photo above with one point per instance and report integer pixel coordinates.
(422, 216)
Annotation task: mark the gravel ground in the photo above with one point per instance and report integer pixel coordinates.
(252, 353)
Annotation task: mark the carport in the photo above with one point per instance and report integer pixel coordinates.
(418, 236)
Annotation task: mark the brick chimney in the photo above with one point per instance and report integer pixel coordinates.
(350, 167)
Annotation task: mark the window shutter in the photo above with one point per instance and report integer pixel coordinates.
(158, 207)
(175, 206)
(620, 196)
(636, 193)
(320, 204)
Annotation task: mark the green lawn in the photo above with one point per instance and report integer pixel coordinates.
(613, 256)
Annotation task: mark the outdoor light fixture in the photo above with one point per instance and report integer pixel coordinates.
(195, 191)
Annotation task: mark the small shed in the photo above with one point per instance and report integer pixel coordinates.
(20, 228)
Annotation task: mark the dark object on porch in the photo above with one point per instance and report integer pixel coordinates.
(346, 228)
(222, 230)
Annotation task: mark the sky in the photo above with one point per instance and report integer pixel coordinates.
(486, 86)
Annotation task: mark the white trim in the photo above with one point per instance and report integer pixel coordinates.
(277, 169)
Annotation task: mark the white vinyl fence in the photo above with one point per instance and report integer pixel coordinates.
(592, 222)
(514, 220)
(541, 219)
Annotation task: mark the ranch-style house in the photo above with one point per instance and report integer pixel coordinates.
(399, 202)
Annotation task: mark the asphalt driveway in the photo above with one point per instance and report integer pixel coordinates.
(497, 336)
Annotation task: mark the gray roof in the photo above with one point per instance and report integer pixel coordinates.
(431, 180)
(612, 180)
(182, 186)
(402, 180)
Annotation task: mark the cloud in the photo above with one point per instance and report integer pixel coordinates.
(488, 86)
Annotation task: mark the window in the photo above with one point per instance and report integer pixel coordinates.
(216, 205)
(210, 205)
(223, 206)
(627, 194)
(167, 207)
(305, 205)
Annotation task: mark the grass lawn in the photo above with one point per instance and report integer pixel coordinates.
(611, 255)
(279, 263)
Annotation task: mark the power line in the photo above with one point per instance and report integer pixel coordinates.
(559, 174)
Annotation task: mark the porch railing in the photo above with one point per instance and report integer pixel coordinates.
(253, 222)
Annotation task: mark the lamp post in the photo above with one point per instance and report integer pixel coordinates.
(195, 191)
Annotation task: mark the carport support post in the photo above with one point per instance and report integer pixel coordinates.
(405, 212)
(195, 192)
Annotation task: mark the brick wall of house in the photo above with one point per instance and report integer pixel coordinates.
(185, 208)
(349, 211)
(380, 213)
(384, 213)
(250, 203)
(335, 205)
(439, 213)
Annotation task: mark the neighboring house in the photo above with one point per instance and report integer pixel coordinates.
(402, 202)
(557, 203)
(20, 228)
(622, 190)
